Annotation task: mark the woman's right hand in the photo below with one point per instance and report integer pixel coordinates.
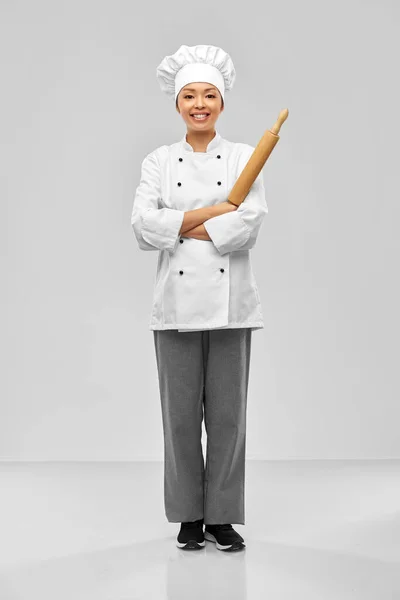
(231, 206)
(223, 207)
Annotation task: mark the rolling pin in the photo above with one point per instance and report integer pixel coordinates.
(256, 161)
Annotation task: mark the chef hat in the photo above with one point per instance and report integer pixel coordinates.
(189, 64)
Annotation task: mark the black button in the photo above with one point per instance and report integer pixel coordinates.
(181, 159)
(181, 241)
(222, 270)
(179, 183)
(180, 272)
(218, 156)
(219, 183)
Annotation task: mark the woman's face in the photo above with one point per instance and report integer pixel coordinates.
(199, 98)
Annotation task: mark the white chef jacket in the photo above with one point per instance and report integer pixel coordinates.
(200, 284)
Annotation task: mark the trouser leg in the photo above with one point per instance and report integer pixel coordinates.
(179, 359)
(227, 354)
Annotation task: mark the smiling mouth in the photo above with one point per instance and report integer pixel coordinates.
(200, 116)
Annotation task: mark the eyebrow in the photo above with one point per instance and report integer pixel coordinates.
(193, 90)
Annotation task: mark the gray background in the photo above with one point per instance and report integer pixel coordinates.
(81, 107)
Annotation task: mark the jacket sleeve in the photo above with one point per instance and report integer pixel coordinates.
(238, 230)
(155, 228)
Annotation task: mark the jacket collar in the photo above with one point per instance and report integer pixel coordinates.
(213, 145)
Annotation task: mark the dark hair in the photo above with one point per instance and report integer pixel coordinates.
(222, 100)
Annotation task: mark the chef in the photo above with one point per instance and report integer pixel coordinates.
(205, 287)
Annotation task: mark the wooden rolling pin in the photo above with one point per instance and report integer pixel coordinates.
(256, 161)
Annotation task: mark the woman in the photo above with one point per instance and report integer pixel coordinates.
(205, 289)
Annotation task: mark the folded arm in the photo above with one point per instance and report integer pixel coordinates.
(161, 228)
(199, 233)
(238, 230)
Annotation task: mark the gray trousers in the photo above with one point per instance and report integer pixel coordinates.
(207, 369)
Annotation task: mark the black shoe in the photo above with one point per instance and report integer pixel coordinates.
(191, 535)
(225, 537)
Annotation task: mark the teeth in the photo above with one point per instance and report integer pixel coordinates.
(200, 116)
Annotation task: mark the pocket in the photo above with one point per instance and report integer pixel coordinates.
(254, 284)
(257, 293)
